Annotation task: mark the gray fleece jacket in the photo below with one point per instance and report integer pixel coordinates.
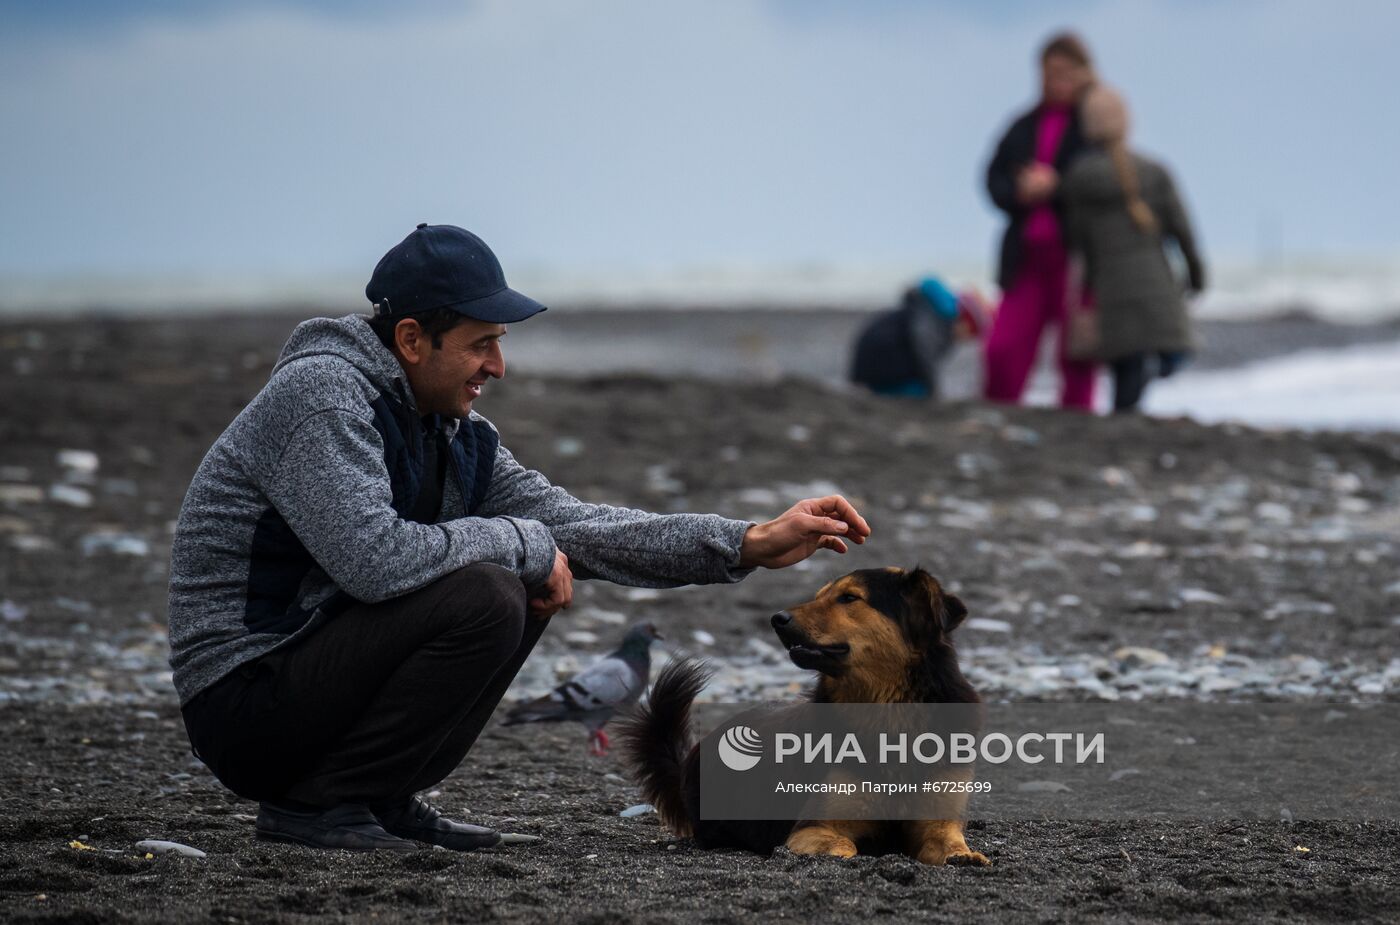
(299, 510)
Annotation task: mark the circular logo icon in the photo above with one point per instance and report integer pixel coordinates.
(740, 748)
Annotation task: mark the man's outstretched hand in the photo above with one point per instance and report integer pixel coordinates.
(557, 592)
(817, 523)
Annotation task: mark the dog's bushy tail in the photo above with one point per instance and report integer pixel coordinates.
(655, 739)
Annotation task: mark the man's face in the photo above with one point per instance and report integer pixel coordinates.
(447, 379)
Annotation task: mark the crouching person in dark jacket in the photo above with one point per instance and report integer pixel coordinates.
(900, 352)
(360, 568)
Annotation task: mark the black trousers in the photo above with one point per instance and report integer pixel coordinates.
(1130, 378)
(1132, 373)
(382, 701)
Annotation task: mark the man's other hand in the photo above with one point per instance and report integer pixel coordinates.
(817, 523)
(557, 592)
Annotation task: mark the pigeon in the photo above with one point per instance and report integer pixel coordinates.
(594, 694)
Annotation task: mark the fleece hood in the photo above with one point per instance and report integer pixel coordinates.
(352, 340)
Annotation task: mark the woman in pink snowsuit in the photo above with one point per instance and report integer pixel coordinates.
(1023, 179)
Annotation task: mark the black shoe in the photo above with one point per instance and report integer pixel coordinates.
(420, 820)
(351, 827)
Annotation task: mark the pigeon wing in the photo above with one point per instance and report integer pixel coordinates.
(547, 708)
(606, 685)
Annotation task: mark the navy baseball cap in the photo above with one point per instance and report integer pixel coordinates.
(443, 266)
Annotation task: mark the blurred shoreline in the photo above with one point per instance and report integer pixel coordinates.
(1355, 289)
(765, 344)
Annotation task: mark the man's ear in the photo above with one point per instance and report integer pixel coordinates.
(410, 341)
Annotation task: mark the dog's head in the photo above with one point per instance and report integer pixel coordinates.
(872, 627)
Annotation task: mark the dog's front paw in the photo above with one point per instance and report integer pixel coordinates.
(821, 841)
(968, 858)
(937, 855)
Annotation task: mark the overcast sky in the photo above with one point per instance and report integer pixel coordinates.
(289, 137)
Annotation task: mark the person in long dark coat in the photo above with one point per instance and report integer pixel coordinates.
(1122, 210)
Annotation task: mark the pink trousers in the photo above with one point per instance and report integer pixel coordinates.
(1035, 299)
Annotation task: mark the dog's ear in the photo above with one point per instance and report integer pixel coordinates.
(956, 611)
(946, 610)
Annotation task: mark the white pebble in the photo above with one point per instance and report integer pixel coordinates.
(1140, 655)
(1199, 596)
(598, 615)
(1042, 786)
(156, 846)
(120, 544)
(988, 625)
(78, 460)
(70, 495)
(762, 497)
(702, 637)
(1273, 512)
(515, 838)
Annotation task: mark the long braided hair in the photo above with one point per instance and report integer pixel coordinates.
(1105, 119)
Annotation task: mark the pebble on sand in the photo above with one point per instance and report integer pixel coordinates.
(1042, 786)
(121, 544)
(71, 495)
(988, 625)
(598, 615)
(158, 846)
(1132, 656)
(1199, 596)
(640, 809)
(78, 460)
(1294, 608)
(515, 838)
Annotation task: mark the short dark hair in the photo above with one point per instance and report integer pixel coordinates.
(435, 322)
(1067, 45)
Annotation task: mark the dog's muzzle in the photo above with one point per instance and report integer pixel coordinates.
(804, 651)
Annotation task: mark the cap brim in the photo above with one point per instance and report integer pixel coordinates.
(505, 306)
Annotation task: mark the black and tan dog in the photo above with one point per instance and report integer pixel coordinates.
(875, 636)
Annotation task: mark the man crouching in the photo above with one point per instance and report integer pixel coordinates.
(360, 568)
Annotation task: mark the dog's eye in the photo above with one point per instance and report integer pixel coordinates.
(847, 599)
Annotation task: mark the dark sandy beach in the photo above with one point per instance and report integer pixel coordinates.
(1257, 564)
